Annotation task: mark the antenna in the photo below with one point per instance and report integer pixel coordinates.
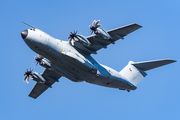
(30, 25)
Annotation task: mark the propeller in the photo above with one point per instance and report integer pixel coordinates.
(94, 26)
(38, 59)
(27, 75)
(73, 37)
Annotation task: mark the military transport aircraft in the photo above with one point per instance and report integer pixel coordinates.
(72, 59)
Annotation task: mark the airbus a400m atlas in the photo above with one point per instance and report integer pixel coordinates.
(72, 59)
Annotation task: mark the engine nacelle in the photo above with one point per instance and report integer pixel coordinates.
(45, 63)
(104, 34)
(39, 78)
(83, 40)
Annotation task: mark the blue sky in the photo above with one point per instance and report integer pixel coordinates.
(157, 95)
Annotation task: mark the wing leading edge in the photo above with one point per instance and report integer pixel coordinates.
(50, 76)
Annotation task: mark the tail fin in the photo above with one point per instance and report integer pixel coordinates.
(135, 72)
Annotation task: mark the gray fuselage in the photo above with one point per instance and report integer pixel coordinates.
(73, 63)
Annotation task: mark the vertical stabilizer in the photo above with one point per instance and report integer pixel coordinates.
(132, 74)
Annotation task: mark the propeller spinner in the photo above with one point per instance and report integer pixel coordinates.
(94, 26)
(73, 37)
(38, 59)
(27, 75)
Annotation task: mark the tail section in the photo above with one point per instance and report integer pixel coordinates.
(132, 73)
(135, 72)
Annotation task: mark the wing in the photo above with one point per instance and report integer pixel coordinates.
(37, 90)
(50, 76)
(98, 42)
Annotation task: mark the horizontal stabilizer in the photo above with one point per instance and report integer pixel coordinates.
(147, 65)
(135, 72)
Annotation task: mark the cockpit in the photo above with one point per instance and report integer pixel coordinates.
(33, 29)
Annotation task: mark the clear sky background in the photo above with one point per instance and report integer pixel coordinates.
(157, 96)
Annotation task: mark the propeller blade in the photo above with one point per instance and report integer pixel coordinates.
(73, 37)
(38, 60)
(99, 25)
(91, 32)
(69, 37)
(72, 42)
(28, 74)
(25, 78)
(40, 56)
(93, 23)
(97, 22)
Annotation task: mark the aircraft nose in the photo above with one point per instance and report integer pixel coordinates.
(24, 34)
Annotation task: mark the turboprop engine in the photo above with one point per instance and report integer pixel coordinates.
(73, 37)
(42, 61)
(35, 76)
(95, 28)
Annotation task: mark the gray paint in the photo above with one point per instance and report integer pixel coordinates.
(75, 62)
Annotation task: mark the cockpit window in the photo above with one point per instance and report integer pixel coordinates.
(32, 29)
